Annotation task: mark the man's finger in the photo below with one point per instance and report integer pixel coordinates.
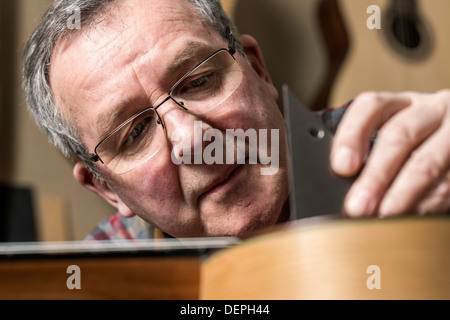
(397, 139)
(437, 199)
(366, 115)
(422, 171)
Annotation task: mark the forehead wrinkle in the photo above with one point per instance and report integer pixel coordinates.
(192, 49)
(107, 124)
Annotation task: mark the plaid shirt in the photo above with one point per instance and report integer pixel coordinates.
(117, 227)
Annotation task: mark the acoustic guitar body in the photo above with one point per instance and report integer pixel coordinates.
(409, 51)
(317, 258)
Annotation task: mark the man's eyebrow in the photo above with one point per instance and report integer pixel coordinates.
(111, 120)
(191, 50)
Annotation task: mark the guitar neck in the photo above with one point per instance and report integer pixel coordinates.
(166, 247)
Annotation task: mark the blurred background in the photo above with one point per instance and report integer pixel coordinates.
(37, 172)
(323, 49)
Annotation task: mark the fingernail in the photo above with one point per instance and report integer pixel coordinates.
(360, 204)
(345, 160)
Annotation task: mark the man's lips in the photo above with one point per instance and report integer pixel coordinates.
(223, 181)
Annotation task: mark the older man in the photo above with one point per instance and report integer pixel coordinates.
(120, 96)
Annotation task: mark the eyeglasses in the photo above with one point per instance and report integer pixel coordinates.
(199, 91)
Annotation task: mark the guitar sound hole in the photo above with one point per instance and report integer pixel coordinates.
(406, 32)
(408, 35)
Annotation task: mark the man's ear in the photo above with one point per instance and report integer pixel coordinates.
(87, 180)
(255, 56)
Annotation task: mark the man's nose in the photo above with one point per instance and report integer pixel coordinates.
(184, 131)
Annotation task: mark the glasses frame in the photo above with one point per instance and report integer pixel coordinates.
(95, 157)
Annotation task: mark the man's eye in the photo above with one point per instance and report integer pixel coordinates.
(144, 130)
(199, 87)
(197, 84)
(134, 134)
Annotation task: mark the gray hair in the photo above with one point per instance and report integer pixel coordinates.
(38, 52)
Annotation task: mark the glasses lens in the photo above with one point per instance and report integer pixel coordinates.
(201, 90)
(133, 143)
(209, 84)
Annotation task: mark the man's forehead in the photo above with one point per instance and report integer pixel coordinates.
(133, 30)
(108, 50)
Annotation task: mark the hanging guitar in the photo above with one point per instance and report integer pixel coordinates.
(409, 52)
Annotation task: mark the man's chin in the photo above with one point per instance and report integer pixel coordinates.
(240, 224)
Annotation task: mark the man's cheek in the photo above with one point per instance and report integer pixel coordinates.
(272, 158)
(154, 181)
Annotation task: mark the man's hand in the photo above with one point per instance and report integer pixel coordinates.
(408, 169)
